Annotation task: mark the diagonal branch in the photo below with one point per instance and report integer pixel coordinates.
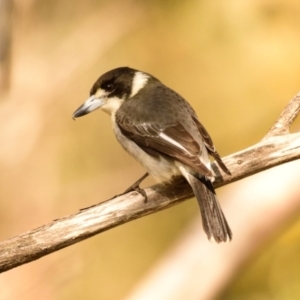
(276, 148)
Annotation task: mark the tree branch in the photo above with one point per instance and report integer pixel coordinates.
(276, 148)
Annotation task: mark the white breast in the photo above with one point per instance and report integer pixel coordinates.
(162, 168)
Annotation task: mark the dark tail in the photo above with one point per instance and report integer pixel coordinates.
(213, 219)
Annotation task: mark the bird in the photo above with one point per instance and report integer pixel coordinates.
(161, 130)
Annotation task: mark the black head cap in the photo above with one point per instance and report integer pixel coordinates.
(117, 81)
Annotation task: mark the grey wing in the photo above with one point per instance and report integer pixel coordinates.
(210, 146)
(207, 140)
(172, 141)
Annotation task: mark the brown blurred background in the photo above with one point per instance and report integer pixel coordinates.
(236, 62)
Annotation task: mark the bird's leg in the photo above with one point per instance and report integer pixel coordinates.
(136, 187)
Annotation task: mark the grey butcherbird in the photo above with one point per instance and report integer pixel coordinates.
(162, 132)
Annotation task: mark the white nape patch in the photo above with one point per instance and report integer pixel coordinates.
(111, 105)
(165, 137)
(139, 81)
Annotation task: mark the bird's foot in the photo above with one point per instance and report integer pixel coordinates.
(136, 188)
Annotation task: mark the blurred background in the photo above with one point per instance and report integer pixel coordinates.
(236, 62)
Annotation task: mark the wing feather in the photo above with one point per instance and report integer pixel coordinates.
(210, 146)
(173, 141)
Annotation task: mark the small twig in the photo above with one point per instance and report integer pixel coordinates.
(286, 118)
(69, 230)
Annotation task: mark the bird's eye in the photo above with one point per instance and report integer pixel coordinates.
(109, 87)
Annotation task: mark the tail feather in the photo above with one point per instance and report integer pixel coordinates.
(213, 219)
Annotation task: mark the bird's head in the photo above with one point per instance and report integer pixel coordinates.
(112, 89)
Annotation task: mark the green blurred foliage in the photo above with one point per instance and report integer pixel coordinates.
(237, 62)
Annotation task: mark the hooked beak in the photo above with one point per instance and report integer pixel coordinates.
(91, 104)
